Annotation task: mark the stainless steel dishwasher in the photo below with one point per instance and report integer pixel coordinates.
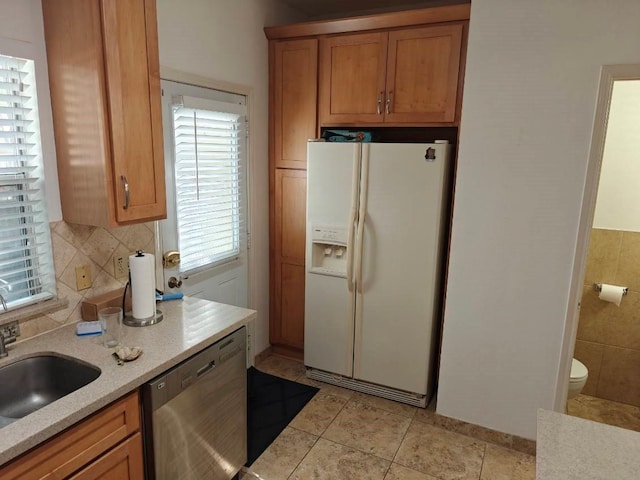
(195, 415)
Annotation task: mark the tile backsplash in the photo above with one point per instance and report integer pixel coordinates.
(96, 247)
(608, 340)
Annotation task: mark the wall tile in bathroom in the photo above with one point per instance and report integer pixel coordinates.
(623, 328)
(620, 375)
(591, 355)
(628, 272)
(604, 248)
(594, 313)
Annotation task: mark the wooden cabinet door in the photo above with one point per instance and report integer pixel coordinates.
(104, 76)
(287, 323)
(295, 90)
(133, 79)
(79, 445)
(422, 74)
(125, 462)
(352, 78)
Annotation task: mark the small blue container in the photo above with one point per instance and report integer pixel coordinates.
(346, 136)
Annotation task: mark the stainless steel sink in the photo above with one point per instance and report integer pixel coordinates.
(31, 383)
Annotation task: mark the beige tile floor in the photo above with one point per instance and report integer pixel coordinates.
(344, 435)
(605, 411)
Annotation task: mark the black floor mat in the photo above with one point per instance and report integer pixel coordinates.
(271, 404)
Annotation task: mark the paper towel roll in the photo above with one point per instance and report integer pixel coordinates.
(611, 293)
(143, 285)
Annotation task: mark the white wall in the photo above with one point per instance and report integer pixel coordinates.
(618, 204)
(223, 40)
(22, 35)
(530, 92)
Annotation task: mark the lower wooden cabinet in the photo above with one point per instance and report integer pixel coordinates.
(107, 445)
(287, 303)
(122, 463)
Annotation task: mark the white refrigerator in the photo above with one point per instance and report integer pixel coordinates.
(376, 217)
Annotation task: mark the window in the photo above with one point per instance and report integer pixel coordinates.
(209, 142)
(26, 265)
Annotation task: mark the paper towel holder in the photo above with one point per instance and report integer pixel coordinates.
(128, 318)
(598, 288)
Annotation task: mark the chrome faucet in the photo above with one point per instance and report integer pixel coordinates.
(8, 334)
(4, 304)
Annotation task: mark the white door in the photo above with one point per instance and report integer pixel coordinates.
(332, 173)
(206, 175)
(401, 252)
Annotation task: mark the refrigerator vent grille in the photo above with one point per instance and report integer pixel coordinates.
(414, 399)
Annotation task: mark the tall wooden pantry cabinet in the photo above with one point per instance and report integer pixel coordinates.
(402, 69)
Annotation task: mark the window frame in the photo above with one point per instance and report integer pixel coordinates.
(41, 235)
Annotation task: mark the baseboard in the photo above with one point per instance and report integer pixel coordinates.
(262, 355)
(289, 352)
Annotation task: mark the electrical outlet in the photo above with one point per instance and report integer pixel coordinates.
(83, 277)
(121, 267)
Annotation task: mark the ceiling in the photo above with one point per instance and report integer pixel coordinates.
(342, 8)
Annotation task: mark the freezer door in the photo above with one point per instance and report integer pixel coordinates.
(399, 294)
(329, 311)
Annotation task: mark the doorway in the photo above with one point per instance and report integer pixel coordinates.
(602, 335)
(206, 160)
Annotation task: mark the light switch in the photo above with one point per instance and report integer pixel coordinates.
(83, 277)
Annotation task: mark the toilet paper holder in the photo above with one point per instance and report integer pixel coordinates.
(598, 288)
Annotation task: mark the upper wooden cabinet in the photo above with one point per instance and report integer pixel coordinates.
(405, 76)
(104, 76)
(294, 86)
(352, 84)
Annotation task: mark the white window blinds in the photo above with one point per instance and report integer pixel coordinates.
(26, 266)
(210, 158)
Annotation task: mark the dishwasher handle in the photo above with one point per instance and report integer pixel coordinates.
(206, 368)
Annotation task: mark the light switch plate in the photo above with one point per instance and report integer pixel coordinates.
(83, 277)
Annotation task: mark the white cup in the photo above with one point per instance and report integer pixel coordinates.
(111, 323)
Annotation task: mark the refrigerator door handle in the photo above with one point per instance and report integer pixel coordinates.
(364, 191)
(352, 216)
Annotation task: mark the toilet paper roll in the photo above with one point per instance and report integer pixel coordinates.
(611, 293)
(143, 285)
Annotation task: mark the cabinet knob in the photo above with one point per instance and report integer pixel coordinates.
(127, 194)
(379, 109)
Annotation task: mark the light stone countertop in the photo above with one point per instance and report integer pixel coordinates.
(189, 325)
(571, 448)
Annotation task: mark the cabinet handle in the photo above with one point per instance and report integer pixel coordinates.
(379, 109)
(387, 107)
(127, 193)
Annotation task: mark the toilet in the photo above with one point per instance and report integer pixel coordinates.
(578, 379)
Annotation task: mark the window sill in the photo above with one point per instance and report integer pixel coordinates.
(33, 311)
